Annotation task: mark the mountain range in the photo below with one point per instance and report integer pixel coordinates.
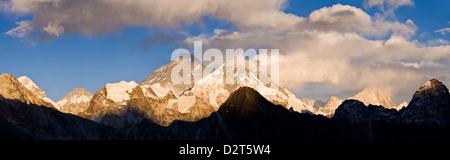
(369, 96)
(158, 99)
(157, 109)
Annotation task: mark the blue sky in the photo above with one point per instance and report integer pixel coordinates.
(75, 60)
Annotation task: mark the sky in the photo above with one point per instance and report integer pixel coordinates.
(327, 47)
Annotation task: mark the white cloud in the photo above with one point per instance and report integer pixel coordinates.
(333, 45)
(442, 31)
(325, 49)
(53, 29)
(437, 42)
(24, 28)
(389, 3)
(410, 64)
(87, 17)
(388, 7)
(382, 27)
(345, 18)
(337, 17)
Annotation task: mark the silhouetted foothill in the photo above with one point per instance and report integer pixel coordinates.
(243, 102)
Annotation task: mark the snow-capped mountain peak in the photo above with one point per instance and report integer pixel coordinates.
(161, 79)
(375, 96)
(214, 87)
(370, 95)
(76, 101)
(119, 92)
(77, 95)
(11, 88)
(30, 85)
(329, 107)
(33, 88)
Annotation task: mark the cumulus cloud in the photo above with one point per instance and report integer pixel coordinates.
(338, 17)
(87, 17)
(345, 18)
(331, 47)
(347, 60)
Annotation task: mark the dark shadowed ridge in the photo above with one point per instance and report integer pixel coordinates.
(429, 106)
(426, 117)
(247, 115)
(19, 120)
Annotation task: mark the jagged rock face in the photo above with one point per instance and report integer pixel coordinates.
(165, 110)
(431, 89)
(98, 106)
(430, 105)
(157, 98)
(75, 102)
(143, 103)
(30, 85)
(161, 78)
(113, 98)
(11, 88)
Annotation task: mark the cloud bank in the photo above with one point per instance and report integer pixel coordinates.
(339, 45)
(335, 46)
(99, 17)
